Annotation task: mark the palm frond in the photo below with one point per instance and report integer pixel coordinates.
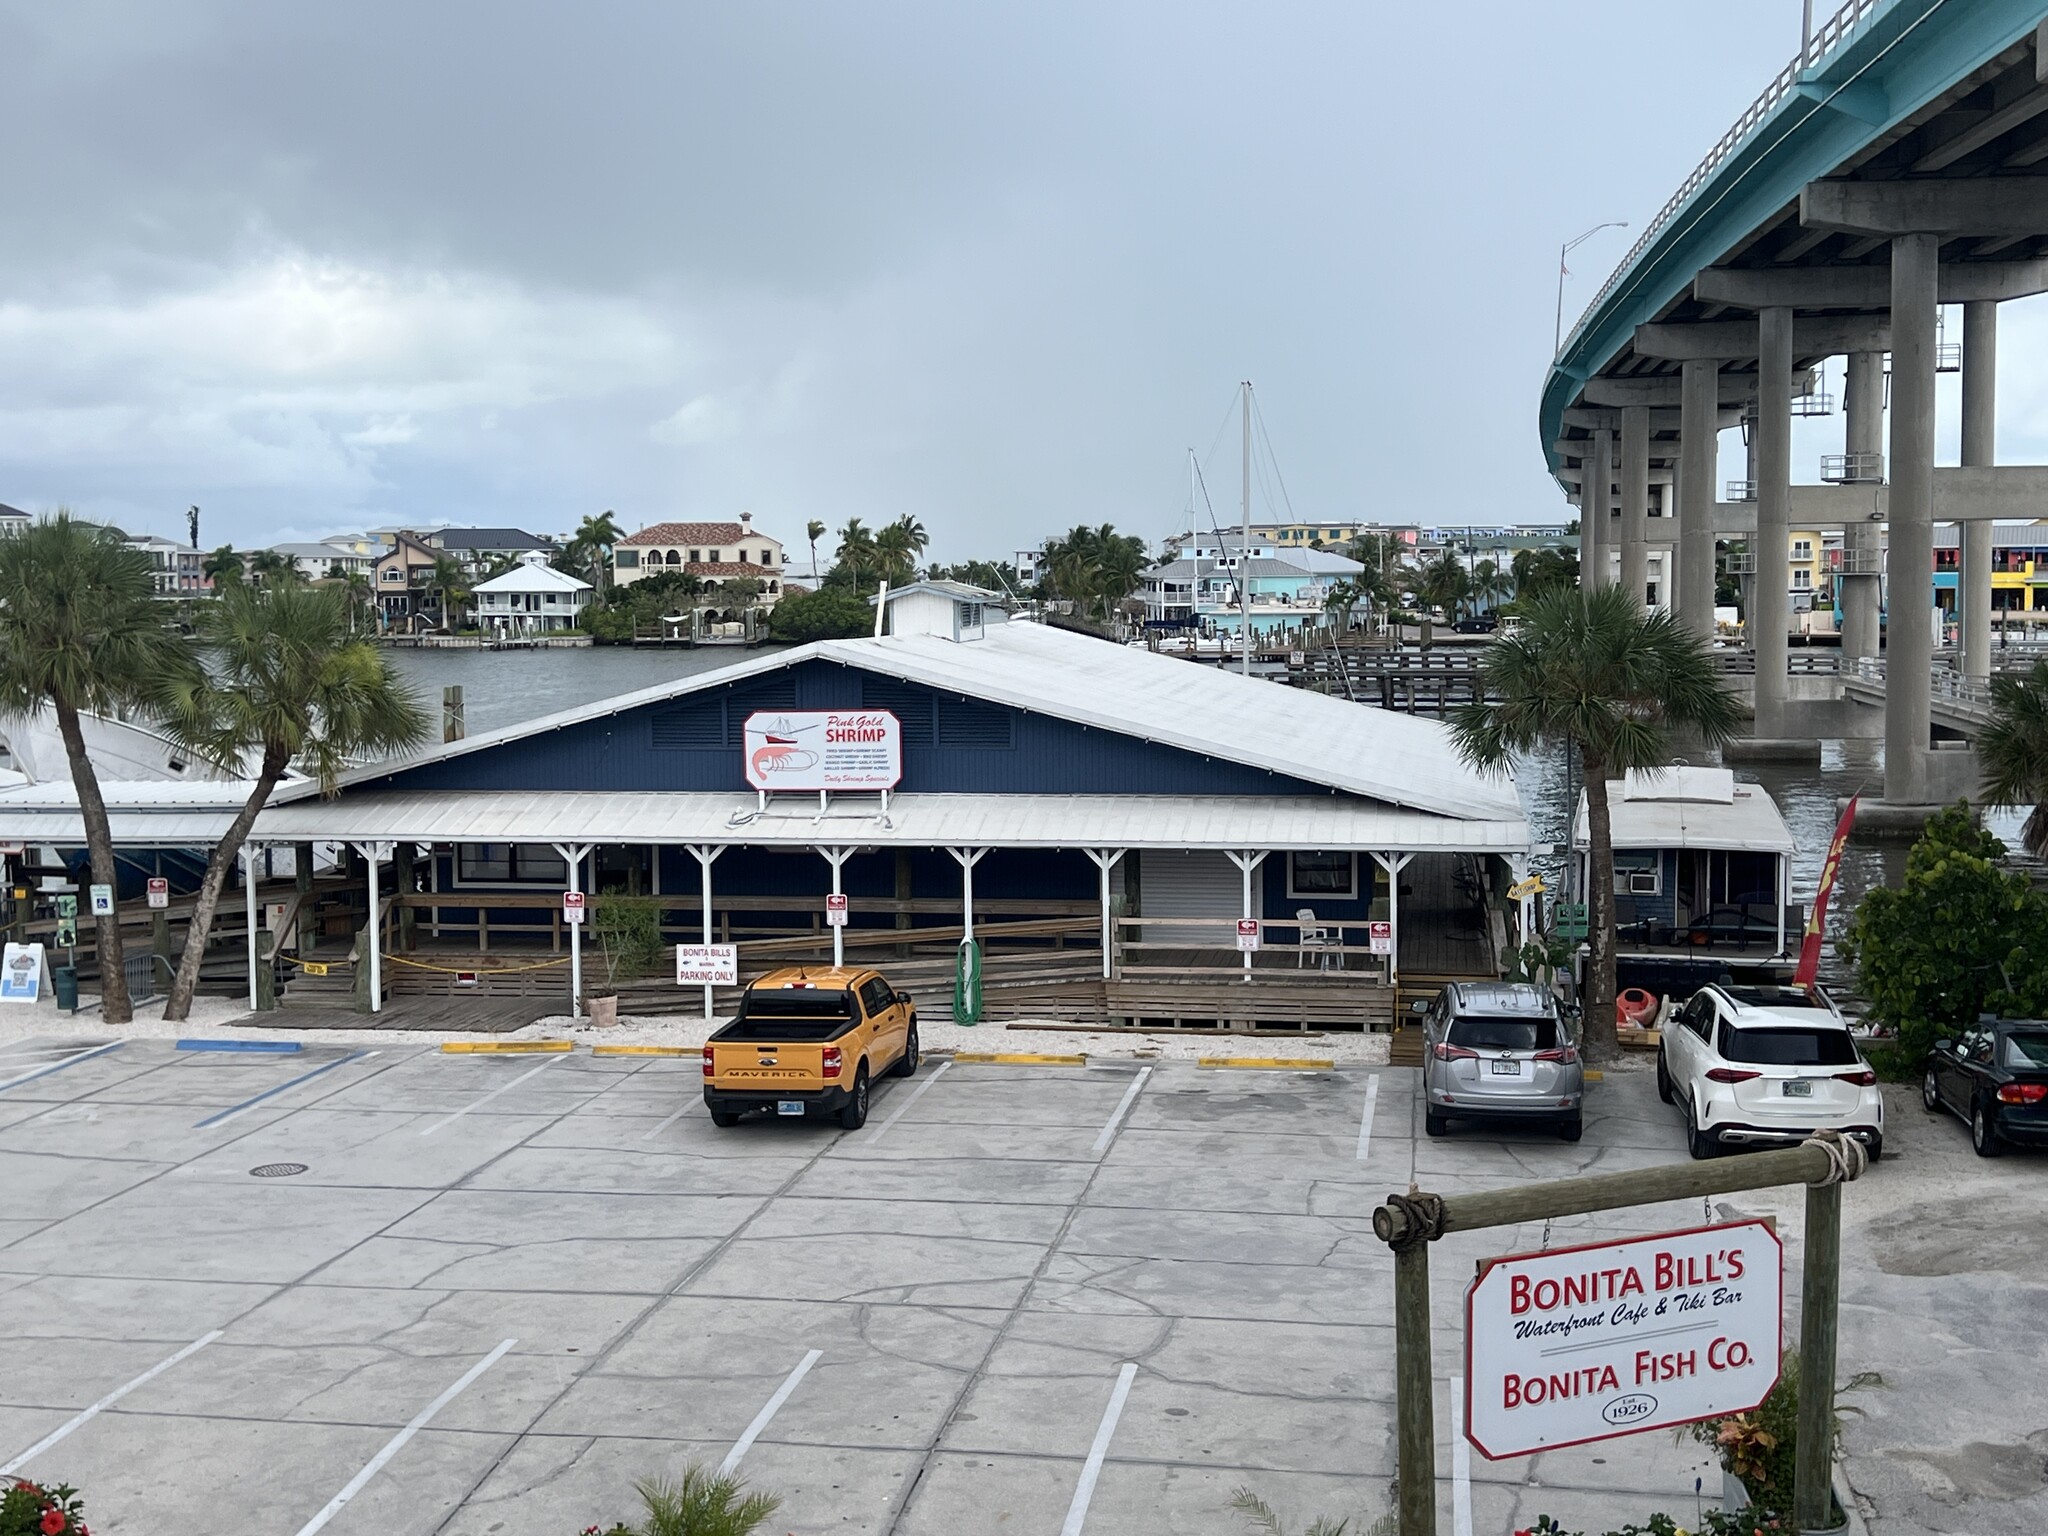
(702, 1503)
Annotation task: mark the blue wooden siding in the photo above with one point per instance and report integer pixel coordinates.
(951, 745)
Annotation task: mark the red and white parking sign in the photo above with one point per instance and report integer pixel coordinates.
(572, 906)
(159, 891)
(835, 911)
(1381, 937)
(1247, 934)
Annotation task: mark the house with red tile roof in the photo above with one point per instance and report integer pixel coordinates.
(709, 551)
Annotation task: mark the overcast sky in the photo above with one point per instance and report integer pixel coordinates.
(997, 265)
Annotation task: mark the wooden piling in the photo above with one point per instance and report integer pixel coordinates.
(1819, 1298)
(1415, 1386)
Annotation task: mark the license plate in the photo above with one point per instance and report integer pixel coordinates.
(789, 1106)
(1798, 1088)
(1507, 1069)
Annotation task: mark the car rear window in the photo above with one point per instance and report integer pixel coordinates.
(2026, 1053)
(1480, 1033)
(1788, 1047)
(798, 1003)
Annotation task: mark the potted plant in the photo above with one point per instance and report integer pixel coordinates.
(628, 934)
(31, 1509)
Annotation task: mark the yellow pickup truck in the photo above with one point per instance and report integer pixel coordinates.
(809, 1041)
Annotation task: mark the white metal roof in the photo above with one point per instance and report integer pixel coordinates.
(533, 576)
(148, 813)
(1747, 822)
(913, 820)
(1379, 754)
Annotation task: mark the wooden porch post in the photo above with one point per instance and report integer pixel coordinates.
(572, 855)
(1105, 859)
(707, 855)
(249, 903)
(1393, 864)
(1246, 862)
(837, 857)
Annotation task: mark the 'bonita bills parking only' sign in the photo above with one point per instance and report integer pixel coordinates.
(1587, 1343)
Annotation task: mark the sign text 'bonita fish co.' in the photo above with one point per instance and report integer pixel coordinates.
(852, 749)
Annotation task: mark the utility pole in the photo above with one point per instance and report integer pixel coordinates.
(1244, 553)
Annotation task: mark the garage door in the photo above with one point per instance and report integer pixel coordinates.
(1205, 885)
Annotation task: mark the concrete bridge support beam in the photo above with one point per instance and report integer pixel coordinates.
(1863, 410)
(1771, 613)
(1980, 400)
(1699, 411)
(1635, 501)
(1909, 562)
(1596, 522)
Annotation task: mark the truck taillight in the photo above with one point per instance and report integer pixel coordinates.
(709, 1069)
(832, 1061)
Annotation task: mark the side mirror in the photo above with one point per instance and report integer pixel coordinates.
(903, 998)
(1418, 1006)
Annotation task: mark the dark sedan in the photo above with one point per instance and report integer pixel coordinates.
(1995, 1075)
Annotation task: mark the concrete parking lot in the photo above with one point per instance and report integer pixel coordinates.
(1024, 1298)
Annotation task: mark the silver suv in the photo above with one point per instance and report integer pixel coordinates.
(1504, 1049)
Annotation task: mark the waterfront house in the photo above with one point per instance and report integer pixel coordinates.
(477, 547)
(403, 581)
(712, 552)
(533, 598)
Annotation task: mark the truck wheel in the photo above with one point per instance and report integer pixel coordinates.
(906, 1064)
(1702, 1144)
(1572, 1129)
(1664, 1090)
(855, 1114)
(724, 1119)
(1434, 1123)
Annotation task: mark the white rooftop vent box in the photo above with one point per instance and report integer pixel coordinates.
(949, 609)
(1701, 786)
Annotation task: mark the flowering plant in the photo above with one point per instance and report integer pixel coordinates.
(30, 1509)
(1716, 1523)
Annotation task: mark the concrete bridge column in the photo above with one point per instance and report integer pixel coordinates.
(1635, 501)
(1698, 457)
(1909, 563)
(1596, 521)
(1980, 402)
(1771, 607)
(1863, 411)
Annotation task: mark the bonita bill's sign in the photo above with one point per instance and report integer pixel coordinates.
(1587, 1343)
(850, 749)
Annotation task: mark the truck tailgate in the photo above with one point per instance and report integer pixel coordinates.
(766, 1064)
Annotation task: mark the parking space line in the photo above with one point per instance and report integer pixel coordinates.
(1372, 1097)
(1084, 1491)
(671, 1120)
(59, 1066)
(1123, 1106)
(768, 1411)
(915, 1094)
(113, 1397)
(1461, 1463)
(501, 1088)
(397, 1442)
(271, 1093)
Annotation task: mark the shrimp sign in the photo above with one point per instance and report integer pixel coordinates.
(853, 749)
(1580, 1344)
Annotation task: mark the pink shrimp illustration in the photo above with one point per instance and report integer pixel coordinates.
(781, 754)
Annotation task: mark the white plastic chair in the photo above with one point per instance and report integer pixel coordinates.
(1315, 936)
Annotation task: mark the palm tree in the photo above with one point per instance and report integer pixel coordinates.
(271, 568)
(857, 550)
(288, 683)
(702, 1503)
(894, 557)
(1488, 582)
(1593, 673)
(223, 566)
(915, 539)
(595, 537)
(1446, 584)
(453, 585)
(80, 633)
(814, 531)
(2013, 748)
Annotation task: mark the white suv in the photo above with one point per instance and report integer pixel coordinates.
(1766, 1065)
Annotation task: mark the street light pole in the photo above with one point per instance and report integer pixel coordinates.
(1563, 251)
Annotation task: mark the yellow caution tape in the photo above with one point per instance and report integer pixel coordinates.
(478, 970)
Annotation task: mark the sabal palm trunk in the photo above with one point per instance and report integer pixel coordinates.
(186, 983)
(115, 1006)
(1603, 1042)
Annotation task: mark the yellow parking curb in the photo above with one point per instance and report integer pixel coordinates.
(1596, 1077)
(644, 1050)
(1270, 1063)
(505, 1047)
(1019, 1059)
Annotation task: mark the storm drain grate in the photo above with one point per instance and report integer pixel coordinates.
(276, 1170)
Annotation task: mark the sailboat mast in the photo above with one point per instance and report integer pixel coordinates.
(1244, 548)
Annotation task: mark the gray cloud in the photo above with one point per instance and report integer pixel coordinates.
(995, 265)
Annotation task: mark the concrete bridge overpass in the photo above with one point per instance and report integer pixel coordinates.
(1897, 165)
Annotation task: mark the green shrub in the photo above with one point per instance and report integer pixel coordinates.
(700, 1503)
(830, 613)
(628, 933)
(32, 1509)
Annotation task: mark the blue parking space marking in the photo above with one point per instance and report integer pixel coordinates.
(271, 1093)
(263, 1047)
